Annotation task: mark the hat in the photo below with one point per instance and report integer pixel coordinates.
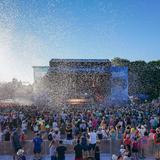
(20, 152)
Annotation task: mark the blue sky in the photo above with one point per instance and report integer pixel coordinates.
(34, 31)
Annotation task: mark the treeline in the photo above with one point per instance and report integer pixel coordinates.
(15, 89)
(144, 77)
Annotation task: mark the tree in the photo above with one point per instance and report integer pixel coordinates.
(120, 62)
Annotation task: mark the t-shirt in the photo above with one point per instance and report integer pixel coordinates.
(61, 152)
(35, 128)
(54, 125)
(92, 138)
(37, 143)
(24, 126)
(7, 136)
(78, 151)
(127, 141)
(69, 132)
(135, 145)
(84, 141)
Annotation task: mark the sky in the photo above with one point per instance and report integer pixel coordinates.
(34, 31)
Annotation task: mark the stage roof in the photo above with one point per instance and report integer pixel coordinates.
(80, 60)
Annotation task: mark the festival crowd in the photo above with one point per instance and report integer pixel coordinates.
(136, 127)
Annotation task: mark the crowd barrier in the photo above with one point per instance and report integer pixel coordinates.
(106, 146)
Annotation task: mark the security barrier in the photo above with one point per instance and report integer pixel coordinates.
(106, 146)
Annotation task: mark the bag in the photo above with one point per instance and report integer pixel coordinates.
(50, 138)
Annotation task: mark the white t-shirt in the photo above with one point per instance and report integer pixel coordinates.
(55, 125)
(24, 126)
(92, 138)
(142, 131)
(35, 128)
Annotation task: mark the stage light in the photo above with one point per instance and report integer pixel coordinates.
(77, 101)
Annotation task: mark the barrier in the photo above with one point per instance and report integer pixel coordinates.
(106, 146)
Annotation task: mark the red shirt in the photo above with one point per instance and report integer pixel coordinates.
(127, 141)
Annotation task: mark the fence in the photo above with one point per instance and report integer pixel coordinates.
(106, 146)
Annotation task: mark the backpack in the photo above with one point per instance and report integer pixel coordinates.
(50, 137)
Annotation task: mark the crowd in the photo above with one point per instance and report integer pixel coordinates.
(135, 126)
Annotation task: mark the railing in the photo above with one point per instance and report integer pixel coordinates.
(106, 146)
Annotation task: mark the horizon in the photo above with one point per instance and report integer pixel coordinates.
(33, 32)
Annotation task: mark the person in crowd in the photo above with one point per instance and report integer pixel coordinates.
(22, 138)
(112, 133)
(1, 135)
(69, 131)
(100, 133)
(114, 157)
(127, 142)
(143, 144)
(20, 155)
(50, 135)
(127, 152)
(7, 134)
(61, 149)
(157, 143)
(35, 127)
(83, 126)
(122, 123)
(56, 134)
(119, 133)
(24, 126)
(92, 141)
(15, 138)
(120, 157)
(37, 149)
(97, 153)
(135, 147)
(151, 140)
(54, 125)
(52, 150)
(1, 139)
(85, 146)
(78, 151)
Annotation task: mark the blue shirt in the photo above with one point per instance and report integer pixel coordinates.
(37, 143)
